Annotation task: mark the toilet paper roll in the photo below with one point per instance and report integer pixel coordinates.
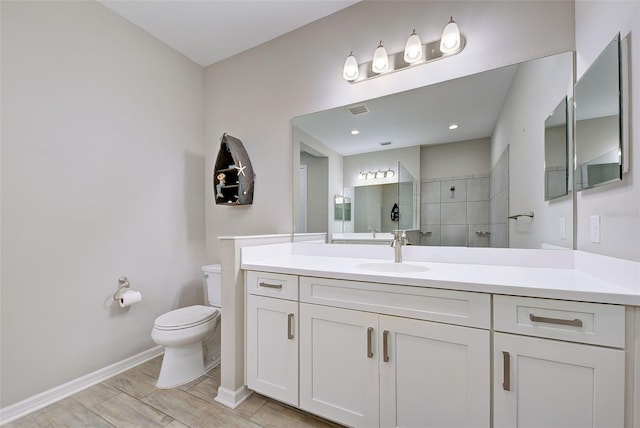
(130, 297)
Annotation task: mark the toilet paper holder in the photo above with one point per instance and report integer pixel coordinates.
(124, 283)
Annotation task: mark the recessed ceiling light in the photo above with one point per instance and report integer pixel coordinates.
(453, 126)
(355, 132)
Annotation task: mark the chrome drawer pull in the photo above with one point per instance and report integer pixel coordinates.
(506, 371)
(369, 339)
(289, 327)
(575, 322)
(267, 285)
(385, 346)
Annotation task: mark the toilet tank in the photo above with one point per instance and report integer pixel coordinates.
(212, 282)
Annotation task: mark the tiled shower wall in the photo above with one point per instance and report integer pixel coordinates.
(458, 217)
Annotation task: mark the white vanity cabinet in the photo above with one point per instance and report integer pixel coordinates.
(338, 364)
(376, 354)
(433, 375)
(545, 382)
(272, 335)
(363, 363)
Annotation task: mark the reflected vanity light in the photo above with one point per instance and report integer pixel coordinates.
(453, 126)
(355, 132)
(370, 175)
(415, 53)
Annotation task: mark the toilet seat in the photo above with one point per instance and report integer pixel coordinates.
(183, 318)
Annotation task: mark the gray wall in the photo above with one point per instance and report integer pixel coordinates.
(102, 176)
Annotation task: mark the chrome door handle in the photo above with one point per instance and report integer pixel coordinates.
(574, 322)
(267, 285)
(385, 346)
(369, 340)
(289, 327)
(506, 371)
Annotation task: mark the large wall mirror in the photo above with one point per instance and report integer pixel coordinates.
(463, 159)
(599, 121)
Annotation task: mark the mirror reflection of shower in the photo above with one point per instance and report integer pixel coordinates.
(382, 208)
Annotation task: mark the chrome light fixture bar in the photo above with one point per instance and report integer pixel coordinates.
(415, 53)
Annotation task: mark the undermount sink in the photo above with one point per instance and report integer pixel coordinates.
(393, 267)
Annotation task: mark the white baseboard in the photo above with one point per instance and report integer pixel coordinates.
(232, 399)
(31, 404)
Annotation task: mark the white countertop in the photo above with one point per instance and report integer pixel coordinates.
(564, 282)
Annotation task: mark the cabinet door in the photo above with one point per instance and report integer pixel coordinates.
(272, 347)
(433, 375)
(339, 364)
(548, 383)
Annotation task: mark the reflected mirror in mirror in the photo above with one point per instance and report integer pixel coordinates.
(556, 153)
(342, 208)
(474, 147)
(599, 121)
(385, 207)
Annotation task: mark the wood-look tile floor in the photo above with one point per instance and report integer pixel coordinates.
(131, 399)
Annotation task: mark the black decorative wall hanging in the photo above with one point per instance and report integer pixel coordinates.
(233, 174)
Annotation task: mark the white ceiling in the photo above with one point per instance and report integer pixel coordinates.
(208, 31)
(417, 117)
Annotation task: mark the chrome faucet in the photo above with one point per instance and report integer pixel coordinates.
(399, 239)
(374, 232)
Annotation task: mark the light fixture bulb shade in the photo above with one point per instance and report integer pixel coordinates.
(380, 61)
(450, 41)
(350, 71)
(390, 173)
(413, 49)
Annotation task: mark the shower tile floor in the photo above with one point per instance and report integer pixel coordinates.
(131, 399)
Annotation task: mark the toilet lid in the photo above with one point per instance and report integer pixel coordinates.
(185, 317)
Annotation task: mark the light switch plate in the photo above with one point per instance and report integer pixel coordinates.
(595, 229)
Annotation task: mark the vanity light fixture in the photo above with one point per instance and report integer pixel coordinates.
(371, 175)
(380, 62)
(415, 53)
(450, 40)
(354, 132)
(350, 71)
(390, 173)
(453, 126)
(381, 174)
(413, 48)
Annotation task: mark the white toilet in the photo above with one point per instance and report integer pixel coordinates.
(189, 335)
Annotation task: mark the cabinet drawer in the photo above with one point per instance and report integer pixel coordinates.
(272, 285)
(593, 323)
(431, 304)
